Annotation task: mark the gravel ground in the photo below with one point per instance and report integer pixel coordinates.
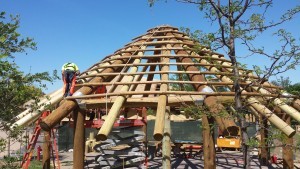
(225, 159)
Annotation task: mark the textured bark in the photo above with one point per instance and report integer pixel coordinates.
(46, 150)
(162, 99)
(166, 145)
(209, 151)
(8, 144)
(227, 126)
(79, 139)
(264, 153)
(287, 151)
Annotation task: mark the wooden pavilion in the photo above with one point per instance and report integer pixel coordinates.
(141, 74)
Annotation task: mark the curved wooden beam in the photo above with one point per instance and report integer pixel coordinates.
(116, 107)
(69, 105)
(278, 122)
(260, 108)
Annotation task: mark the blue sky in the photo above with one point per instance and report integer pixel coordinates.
(85, 32)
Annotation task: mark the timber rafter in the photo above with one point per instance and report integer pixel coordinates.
(164, 69)
(163, 63)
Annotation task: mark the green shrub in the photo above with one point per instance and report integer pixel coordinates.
(35, 164)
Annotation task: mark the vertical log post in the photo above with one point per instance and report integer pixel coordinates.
(46, 150)
(208, 139)
(209, 151)
(79, 138)
(214, 107)
(264, 149)
(287, 150)
(144, 129)
(89, 143)
(162, 100)
(8, 143)
(166, 145)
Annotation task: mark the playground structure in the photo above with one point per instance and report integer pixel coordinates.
(141, 75)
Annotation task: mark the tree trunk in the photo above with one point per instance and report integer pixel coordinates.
(8, 144)
(237, 90)
(209, 151)
(264, 152)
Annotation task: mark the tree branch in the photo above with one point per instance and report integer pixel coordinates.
(220, 23)
(245, 7)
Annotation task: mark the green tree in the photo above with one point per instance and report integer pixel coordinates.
(10, 40)
(16, 87)
(294, 89)
(180, 87)
(282, 82)
(287, 85)
(244, 21)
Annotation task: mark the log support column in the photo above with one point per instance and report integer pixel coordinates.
(287, 150)
(79, 139)
(166, 145)
(46, 150)
(209, 151)
(162, 101)
(264, 154)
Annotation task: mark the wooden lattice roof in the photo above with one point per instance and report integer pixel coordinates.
(165, 67)
(162, 51)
